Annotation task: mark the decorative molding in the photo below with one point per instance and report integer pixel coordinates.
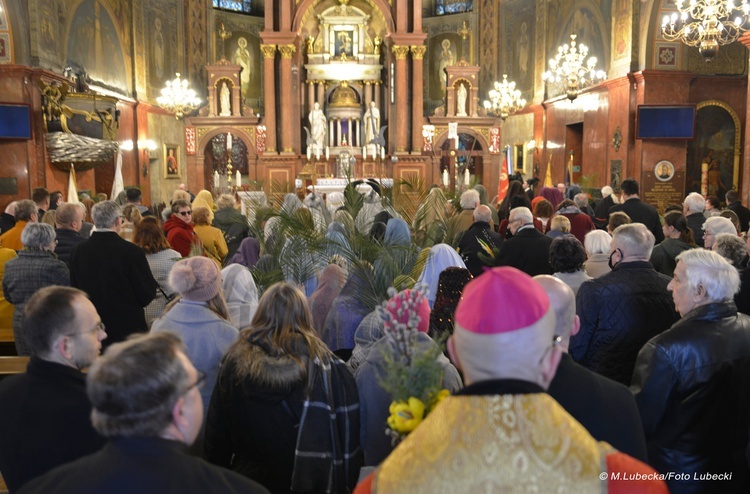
(287, 50)
(400, 51)
(269, 51)
(418, 51)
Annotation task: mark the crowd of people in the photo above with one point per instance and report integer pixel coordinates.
(581, 345)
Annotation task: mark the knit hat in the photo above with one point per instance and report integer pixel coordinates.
(196, 278)
(404, 307)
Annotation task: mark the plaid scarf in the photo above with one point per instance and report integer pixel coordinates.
(328, 455)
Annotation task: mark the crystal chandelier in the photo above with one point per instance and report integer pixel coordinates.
(571, 70)
(706, 24)
(178, 98)
(505, 99)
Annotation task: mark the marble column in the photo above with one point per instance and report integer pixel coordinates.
(376, 94)
(330, 133)
(402, 97)
(269, 94)
(338, 135)
(417, 96)
(285, 90)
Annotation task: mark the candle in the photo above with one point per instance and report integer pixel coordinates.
(327, 153)
(446, 178)
(382, 153)
(239, 178)
(317, 153)
(309, 152)
(216, 180)
(229, 142)
(467, 178)
(364, 152)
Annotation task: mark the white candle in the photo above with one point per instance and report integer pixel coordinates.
(229, 141)
(446, 178)
(239, 178)
(364, 152)
(317, 153)
(467, 178)
(382, 153)
(309, 152)
(327, 153)
(216, 180)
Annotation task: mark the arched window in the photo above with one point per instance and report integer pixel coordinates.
(243, 6)
(444, 7)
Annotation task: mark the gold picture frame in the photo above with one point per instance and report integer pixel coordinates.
(171, 161)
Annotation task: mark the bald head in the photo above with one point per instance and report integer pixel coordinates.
(564, 304)
(482, 213)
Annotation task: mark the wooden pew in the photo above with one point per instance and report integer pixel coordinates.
(12, 365)
(7, 345)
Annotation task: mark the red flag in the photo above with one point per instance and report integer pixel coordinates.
(503, 184)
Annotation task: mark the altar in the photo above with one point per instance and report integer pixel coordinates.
(328, 185)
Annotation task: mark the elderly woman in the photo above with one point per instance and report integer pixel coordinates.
(566, 256)
(149, 236)
(559, 226)
(441, 257)
(732, 248)
(248, 253)
(35, 267)
(596, 244)
(714, 226)
(214, 245)
(206, 200)
(285, 411)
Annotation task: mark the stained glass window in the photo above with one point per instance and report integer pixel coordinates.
(443, 7)
(243, 6)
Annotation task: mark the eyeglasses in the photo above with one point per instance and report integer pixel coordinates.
(98, 327)
(185, 213)
(199, 383)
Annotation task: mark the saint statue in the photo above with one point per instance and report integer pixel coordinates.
(224, 109)
(372, 123)
(318, 125)
(461, 94)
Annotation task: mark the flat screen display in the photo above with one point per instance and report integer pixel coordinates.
(666, 122)
(15, 121)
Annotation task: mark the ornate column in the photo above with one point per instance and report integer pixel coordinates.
(285, 89)
(402, 130)
(321, 94)
(339, 137)
(417, 96)
(269, 94)
(330, 133)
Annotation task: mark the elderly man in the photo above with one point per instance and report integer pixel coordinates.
(503, 432)
(604, 407)
(470, 243)
(26, 212)
(623, 309)
(714, 226)
(146, 402)
(637, 210)
(44, 413)
(69, 220)
(693, 207)
(469, 201)
(528, 249)
(691, 381)
(114, 273)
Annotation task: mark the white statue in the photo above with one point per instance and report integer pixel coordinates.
(224, 109)
(318, 125)
(461, 100)
(372, 123)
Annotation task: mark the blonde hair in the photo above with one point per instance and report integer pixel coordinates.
(560, 223)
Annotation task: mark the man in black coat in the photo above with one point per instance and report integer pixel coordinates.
(691, 381)
(114, 273)
(623, 309)
(146, 402)
(528, 249)
(604, 407)
(69, 219)
(45, 413)
(639, 211)
(693, 207)
(733, 203)
(469, 245)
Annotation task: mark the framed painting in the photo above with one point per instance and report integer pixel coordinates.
(171, 161)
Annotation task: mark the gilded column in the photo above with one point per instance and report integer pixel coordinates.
(400, 51)
(285, 89)
(269, 94)
(417, 56)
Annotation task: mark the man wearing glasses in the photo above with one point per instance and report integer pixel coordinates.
(45, 413)
(114, 273)
(179, 228)
(146, 402)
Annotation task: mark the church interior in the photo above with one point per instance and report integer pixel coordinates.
(285, 93)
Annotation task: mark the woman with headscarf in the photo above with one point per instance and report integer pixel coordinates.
(553, 195)
(330, 283)
(442, 256)
(36, 267)
(399, 253)
(240, 293)
(370, 208)
(248, 253)
(346, 312)
(285, 412)
(214, 245)
(403, 308)
(206, 200)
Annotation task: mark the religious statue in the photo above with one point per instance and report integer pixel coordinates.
(447, 59)
(158, 49)
(372, 123)
(461, 94)
(243, 59)
(224, 109)
(318, 125)
(310, 45)
(376, 45)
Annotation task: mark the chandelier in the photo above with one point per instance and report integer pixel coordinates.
(571, 70)
(505, 99)
(178, 98)
(706, 24)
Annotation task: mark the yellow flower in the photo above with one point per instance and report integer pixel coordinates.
(438, 397)
(405, 416)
